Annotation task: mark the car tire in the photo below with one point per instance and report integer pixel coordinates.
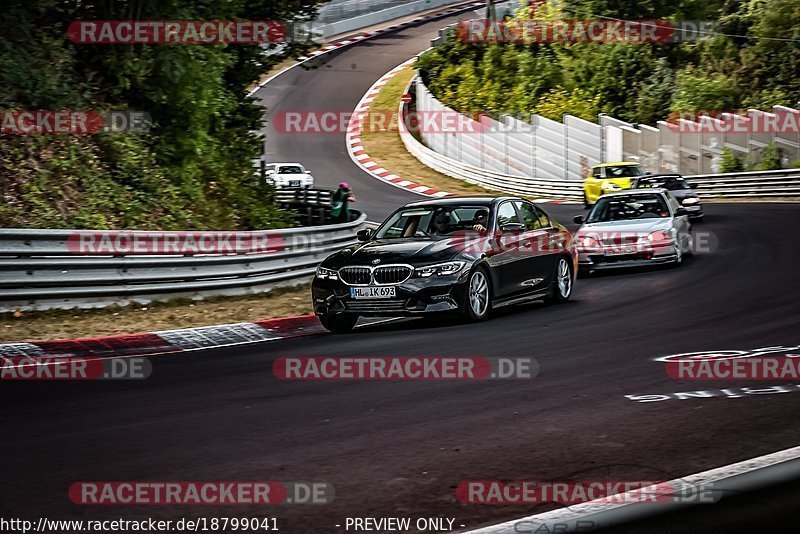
(338, 324)
(478, 296)
(562, 284)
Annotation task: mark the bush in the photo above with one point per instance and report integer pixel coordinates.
(771, 160)
(729, 162)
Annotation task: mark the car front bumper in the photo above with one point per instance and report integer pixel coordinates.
(601, 259)
(415, 296)
(695, 211)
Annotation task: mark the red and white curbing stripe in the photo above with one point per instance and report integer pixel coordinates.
(369, 35)
(359, 155)
(169, 341)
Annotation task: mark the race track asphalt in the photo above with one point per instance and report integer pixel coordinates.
(401, 448)
(336, 83)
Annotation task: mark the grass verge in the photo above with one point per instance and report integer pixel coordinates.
(69, 324)
(386, 148)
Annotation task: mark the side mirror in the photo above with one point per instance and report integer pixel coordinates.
(269, 172)
(514, 227)
(364, 235)
(693, 186)
(648, 173)
(578, 219)
(308, 172)
(680, 212)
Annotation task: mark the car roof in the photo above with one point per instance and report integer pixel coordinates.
(465, 200)
(630, 192)
(661, 175)
(615, 164)
(284, 163)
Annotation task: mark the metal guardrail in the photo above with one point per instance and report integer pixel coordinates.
(759, 184)
(45, 269)
(310, 206)
(765, 184)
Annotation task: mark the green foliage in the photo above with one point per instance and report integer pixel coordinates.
(729, 162)
(702, 91)
(655, 97)
(771, 160)
(557, 102)
(756, 65)
(191, 171)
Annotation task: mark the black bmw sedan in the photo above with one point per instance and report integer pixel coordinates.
(461, 254)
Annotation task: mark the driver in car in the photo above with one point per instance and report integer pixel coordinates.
(481, 220)
(441, 224)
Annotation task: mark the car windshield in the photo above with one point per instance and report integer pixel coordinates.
(672, 183)
(293, 169)
(623, 171)
(433, 221)
(628, 207)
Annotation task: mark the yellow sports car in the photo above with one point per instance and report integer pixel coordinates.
(609, 178)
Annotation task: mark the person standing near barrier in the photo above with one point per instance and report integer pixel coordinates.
(340, 203)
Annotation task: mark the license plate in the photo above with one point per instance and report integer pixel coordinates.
(294, 183)
(373, 292)
(692, 208)
(620, 251)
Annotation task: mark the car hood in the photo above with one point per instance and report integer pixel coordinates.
(411, 251)
(636, 225)
(624, 183)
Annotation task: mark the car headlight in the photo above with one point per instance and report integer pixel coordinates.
(327, 274)
(441, 269)
(588, 242)
(691, 201)
(660, 237)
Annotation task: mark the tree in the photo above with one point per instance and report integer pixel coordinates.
(702, 91)
(658, 91)
(191, 171)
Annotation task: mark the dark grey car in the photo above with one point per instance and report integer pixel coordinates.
(678, 187)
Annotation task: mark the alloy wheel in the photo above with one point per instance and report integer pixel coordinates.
(478, 293)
